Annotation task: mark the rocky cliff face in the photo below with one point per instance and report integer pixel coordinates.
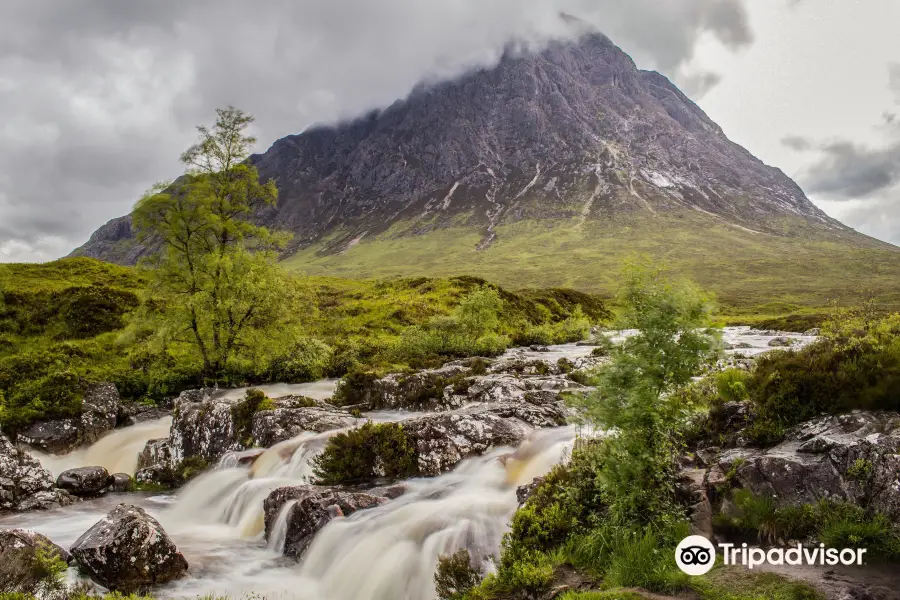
(575, 131)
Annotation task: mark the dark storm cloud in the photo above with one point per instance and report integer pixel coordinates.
(101, 96)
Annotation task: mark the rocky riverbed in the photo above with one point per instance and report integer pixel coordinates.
(480, 429)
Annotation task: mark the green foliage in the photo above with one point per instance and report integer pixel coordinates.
(243, 411)
(215, 266)
(307, 359)
(836, 524)
(740, 584)
(636, 391)
(365, 453)
(731, 385)
(455, 576)
(857, 366)
(37, 573)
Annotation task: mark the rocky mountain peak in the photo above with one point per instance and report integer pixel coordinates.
(575, 131)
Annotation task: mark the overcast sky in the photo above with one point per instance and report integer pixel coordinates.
(99, 97)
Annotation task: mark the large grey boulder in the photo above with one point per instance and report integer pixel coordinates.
(84, 481)
(128, 550)
(273, 426)
(444, 439)
(852, 458)
(24, 484)
(100, 409)
(294, 515)
(203, 426)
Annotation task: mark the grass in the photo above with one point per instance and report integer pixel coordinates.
(755, 275)
(65, 324)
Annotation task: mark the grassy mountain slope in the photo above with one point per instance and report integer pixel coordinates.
(751, 272)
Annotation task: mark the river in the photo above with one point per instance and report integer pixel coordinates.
(388, 552)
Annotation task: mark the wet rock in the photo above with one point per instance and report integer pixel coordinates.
(134, 413)
(524, 492)
(780, 342)
(24, 484)
(153, 474)
(20, 545)
(120, 482)
(202, 427)
(273, 426)
(128, 550)
(84, 481)
(853, 458)
(432, 389)
(156, 453)
(691, 489)
(294, 515)
(445, 439)
(100, 409)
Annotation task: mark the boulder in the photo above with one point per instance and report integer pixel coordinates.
(294, 515)
(84, 481)
(524, 492)
(128, 550)
(134, 413)
(203, 426)
(120, 482)
(100, 409)
(442, 440)
(156, 453)
(852, 458)
(780, 342)
(24, 484)
(16, 544)
(428, 390)
(273, 426)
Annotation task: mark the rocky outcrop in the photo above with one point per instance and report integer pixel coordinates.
(442, 440)
(121, 482)
(853, 458)
(430, 389)
(85, 481)
(273, 426)
(24, 484)
(128, 550)
(100, 409)
(203, 426)
(294, 515)
(20, 545)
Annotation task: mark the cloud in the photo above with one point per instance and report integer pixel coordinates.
(104, 94)
(797, 142)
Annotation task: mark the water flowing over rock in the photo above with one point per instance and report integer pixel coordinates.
(24, 484)
(294, 515)
(84, 481)
(853, 458)
(128, 550)
(100, 407)
(16, 544)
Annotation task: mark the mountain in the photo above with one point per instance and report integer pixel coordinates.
(548, 168)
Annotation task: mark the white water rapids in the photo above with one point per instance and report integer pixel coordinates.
(384, 553)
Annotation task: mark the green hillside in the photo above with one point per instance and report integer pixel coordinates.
(751, 272)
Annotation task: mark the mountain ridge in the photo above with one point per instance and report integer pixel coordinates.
(574, 136)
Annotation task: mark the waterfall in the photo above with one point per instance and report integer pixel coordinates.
(117, 451)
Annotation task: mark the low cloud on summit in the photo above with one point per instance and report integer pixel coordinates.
(102, 95)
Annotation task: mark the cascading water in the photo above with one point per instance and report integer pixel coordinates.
(384, 553)
(117, 452)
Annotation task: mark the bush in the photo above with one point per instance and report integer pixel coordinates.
(365, 453)
(307, 359)
(243, 411)
(789, 387)
(355, 389)
(37, 573)
(456, 576)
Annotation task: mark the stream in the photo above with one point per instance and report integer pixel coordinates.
(387, 552)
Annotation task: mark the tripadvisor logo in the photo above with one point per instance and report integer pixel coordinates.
(696, 555)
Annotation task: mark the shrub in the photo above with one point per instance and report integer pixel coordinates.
(365, 453)
(37, 573)
(456, 576)
(307, 359)
(355, 388)
(243, 411)
(731, 385)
